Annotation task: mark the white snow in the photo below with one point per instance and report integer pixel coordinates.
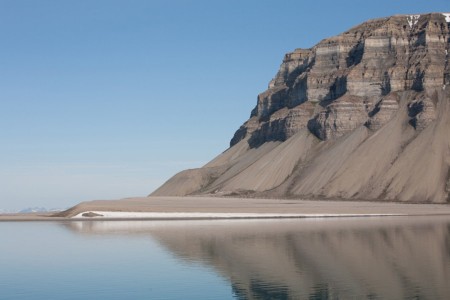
(202, 215)
(412, 20)
(447, 17)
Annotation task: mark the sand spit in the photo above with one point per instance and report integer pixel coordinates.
(215, 208)
(210, 215)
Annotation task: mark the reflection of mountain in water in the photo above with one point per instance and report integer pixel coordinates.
(377, 258)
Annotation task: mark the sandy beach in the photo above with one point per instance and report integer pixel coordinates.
(226, 208)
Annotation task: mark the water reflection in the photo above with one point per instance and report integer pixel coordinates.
(374, 258)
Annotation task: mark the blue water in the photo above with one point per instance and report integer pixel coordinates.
(354, 258)
(46, 261)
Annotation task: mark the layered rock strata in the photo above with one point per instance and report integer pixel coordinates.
(346, 119)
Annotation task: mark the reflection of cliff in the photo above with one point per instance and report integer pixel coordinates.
(389, 261)
(379, 258)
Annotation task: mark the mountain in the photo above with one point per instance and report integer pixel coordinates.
(30, 210)
(364, 115)
(36, 209)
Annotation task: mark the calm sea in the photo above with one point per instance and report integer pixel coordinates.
(348, 258)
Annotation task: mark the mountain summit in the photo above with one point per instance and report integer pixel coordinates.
(364, 115)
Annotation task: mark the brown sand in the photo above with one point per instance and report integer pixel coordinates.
(238, 205)
(29, 217)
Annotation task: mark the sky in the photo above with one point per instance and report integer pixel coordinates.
(106, 99)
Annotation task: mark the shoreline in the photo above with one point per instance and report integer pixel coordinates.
(26, 218)
(213, 208)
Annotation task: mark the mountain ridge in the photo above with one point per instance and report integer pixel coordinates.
(362, 115)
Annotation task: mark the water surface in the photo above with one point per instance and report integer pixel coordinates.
(348, 258)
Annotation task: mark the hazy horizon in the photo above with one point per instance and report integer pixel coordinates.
(108, 99)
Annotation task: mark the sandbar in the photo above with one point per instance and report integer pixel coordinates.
(205, 207)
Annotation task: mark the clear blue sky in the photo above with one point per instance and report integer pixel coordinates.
(106, 99)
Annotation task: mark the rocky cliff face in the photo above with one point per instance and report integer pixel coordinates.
(362, 115)
(342, 82)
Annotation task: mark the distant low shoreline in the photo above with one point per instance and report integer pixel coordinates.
(182, 208)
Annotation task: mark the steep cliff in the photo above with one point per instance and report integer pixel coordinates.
(362, 115)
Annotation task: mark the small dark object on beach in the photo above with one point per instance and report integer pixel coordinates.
(91, 215)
